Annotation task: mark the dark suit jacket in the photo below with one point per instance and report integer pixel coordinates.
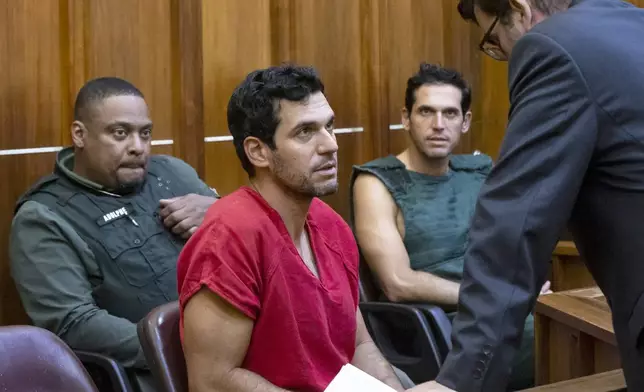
(573, 152)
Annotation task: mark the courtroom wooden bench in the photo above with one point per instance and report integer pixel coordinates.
(612, 381)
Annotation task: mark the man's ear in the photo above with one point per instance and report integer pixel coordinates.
(522, 14)
(258, 152)
(404, 118)
(79, 133)
(467, 121)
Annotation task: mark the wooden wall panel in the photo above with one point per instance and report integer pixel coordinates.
(31, 99)
(326, 34)
(165, 150)
(236, 41)
(375, 77)
(131, 40)
(187, 81)
(31, 94)
(493, 103)
(223, 168)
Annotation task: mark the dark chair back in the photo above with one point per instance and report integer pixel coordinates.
(34, 359)
(369, 289)
(106, 372)
(417, 347)
(160, 338)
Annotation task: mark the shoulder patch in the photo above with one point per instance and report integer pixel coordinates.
(471, 162)
(388, 162)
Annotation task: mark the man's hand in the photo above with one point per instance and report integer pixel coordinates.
(545, 289)
(182, 215)
(431, 386)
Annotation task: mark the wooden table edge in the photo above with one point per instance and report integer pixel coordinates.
(613, 379)
(545, 308)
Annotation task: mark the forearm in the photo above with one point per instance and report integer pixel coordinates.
(94, 330)
(369, 359)
(419, 286)
(236, 380)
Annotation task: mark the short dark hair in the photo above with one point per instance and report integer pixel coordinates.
(253, 109)
(431, 74)
(99, 89)
(501, 8)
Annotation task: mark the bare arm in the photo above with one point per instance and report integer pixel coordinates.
(384, 250)
(369, 359)
(216, 338)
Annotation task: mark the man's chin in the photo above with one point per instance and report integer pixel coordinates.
(437, 154)
(326, 189)
(131, 174)
(128, 184)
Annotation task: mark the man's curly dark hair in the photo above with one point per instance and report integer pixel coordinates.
(435, 74)
(253, 109)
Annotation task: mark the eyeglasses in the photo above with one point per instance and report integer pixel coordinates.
(491, 49)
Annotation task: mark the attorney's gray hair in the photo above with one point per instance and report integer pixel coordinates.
(501, 8)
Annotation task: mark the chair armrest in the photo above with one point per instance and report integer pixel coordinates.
(116, 372)
(440, 324)
(430, 355)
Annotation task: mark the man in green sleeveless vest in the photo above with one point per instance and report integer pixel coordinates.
(411, 212)
(94, 245)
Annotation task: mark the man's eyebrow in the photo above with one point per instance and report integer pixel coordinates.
(126, 124)
(433, 108)
(305, 124)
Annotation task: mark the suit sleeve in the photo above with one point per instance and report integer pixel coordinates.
(522, 208)
(49, 264)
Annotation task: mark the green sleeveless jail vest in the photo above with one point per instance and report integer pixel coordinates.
(437, 210)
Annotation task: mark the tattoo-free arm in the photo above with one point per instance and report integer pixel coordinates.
(216, 338)
(369, 359)
(384, 251)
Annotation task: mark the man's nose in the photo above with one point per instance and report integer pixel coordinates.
(329, 143)
(438, 121)
(137, 145)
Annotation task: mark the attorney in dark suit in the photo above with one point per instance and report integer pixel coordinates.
(573, 153)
